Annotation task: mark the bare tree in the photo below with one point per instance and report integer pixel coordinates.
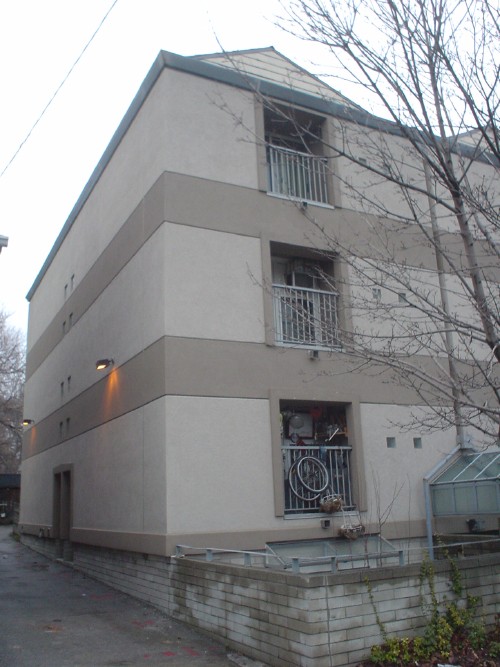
(12, 360)
(427, 178)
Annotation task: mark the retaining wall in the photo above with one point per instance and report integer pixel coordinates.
(281, 618)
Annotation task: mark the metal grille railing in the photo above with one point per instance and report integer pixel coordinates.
(305, 317)
(298, 175)
(336, 460)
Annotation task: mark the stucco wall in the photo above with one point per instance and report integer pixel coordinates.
(394, 476)
(219, 468)
(182, 128)
(213, 285)
(117, 479)
(125, 318)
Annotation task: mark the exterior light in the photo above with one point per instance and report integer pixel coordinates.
(102, 364)
(28, 422)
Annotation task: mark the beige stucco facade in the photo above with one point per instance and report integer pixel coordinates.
(165, 267)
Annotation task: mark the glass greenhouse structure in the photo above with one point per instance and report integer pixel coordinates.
(470, 485)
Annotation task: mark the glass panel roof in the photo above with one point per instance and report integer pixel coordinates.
(472, 467)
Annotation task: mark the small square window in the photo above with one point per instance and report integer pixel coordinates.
(60, 429)
(62, 389)
(391, 443)
(377, 294)
(402, 298)
(69, 382)
(72, 282)
(417, 443)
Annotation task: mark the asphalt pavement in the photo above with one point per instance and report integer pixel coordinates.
(54, 616)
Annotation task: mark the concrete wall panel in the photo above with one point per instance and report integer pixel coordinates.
(213, 285)
(181, 127)
(395, 475)
(219, 467)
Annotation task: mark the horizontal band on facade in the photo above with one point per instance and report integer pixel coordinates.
(165, 544)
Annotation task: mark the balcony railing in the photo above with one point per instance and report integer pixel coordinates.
(337, 462)
(306, 317)
(297, 175)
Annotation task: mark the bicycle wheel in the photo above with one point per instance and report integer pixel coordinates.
(312, 474)
(297, 488)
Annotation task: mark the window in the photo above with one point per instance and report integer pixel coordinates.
(391, 443)
(316, 456)
(305, 301)
(417, 443)
(296, 166)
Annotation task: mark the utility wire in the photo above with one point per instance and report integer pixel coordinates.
(57, 90)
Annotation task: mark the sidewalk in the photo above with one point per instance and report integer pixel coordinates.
(53, 616)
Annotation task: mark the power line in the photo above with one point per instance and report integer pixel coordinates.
(57, 90)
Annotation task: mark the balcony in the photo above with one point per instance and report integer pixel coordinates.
(306, 317)
(334, 477)
(297, 175)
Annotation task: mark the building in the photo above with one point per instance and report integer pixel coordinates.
(194, 267)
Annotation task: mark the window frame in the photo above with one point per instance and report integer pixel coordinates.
(320, 298)
(353, 419)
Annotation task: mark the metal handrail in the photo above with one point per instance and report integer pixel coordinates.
(297, 175)
(295, 563)
(305, 316)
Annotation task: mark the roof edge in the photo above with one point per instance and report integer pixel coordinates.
(192, 65)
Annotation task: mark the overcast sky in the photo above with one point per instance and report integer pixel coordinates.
(39, 43)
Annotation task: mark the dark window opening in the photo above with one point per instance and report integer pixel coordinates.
(297, 167)
(316, 456)
(305, 299)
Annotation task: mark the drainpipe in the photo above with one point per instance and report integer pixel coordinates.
(457, 408)
(427, 497)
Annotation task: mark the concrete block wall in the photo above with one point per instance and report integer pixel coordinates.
(285, 619)
(42, 545)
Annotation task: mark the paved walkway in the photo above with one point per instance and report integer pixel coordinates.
(54, 616)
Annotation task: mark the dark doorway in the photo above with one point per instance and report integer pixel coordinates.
(63, 510)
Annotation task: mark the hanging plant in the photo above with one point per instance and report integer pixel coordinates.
(330, 504)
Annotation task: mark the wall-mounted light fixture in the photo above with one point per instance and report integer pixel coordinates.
(28, 422)
(102, 364)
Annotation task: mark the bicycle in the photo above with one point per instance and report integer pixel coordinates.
(308, 478)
